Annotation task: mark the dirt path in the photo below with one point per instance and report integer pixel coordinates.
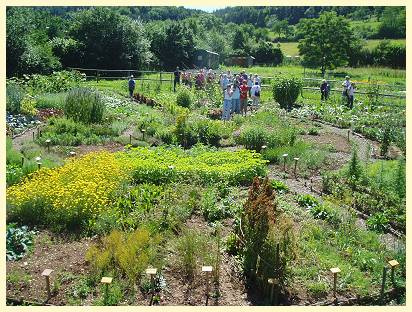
(27, 135)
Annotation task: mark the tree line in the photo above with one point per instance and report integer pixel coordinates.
(45, 39)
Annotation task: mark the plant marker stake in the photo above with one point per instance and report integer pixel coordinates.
(46, 274)
(284, 162)
(106, 281)
(152, 274)
(143, 132)
(385, 270)
(72, 154)
(296, 163)
(348, 134)
(207, 269)
(264, 148)
(393, 264)
(22, 161)
(48, 145)
(33, 135)
(272, 282)
(130, 139)
(38, 132)
(335, 272)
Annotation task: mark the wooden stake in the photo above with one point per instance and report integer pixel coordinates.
(22, 161)
(143, 132)
(207, 269)
(152, 273)
(393, 264)
(107, 281)
(284, 161)
(33, 135)
(46, 273)
(296, 163)
(48, 141)
(335, 272)
(385, 270)
(130, 139)
(348, 134)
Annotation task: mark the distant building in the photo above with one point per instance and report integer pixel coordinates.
(242, 61)
(206, 58)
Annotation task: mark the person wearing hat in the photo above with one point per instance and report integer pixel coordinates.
(132, 85)
(177, 78)
(324, 90)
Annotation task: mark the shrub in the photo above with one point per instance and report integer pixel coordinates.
(28, 105)
(286, 91)
(59, 81)
(84, 105)
(253, 137)
(307, 201)
(184, 97)
(267, 233)
(378, 222)
(14, 96)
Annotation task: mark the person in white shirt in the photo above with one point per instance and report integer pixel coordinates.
(348, 91)
(227, 103)
(351, 93)
(257, 79)
(255, 95)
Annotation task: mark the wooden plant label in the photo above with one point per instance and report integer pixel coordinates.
(106, 280)
(46, 273)
(335, 272)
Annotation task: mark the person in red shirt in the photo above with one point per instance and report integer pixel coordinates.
(243, 97)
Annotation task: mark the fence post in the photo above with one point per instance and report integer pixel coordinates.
(385, 269)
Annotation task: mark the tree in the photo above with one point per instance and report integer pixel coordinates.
(110, 40)
(393, 23)
(267, 53)
(173, 45)
(327, 41)
(279, 27)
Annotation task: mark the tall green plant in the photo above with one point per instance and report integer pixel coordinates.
(84, 105)
(286, 90)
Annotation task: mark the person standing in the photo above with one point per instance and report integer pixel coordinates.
(351, 93)
(257, 79)
(250, 83)
(346, 85)
(243, 97)
(224, 82)
(227, 103)
(255, 95)
(177, 78)
(324, 90)
(132, 85)
(236, 98)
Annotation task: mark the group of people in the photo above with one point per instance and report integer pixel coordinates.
(236, 90)
(348, 91)
(200, 79)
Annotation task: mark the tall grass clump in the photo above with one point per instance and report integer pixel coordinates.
(85, 105)
(51, 100)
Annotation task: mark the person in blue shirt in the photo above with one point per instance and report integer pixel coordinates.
(324, 90)
(132, 85)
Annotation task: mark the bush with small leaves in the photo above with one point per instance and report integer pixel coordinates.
(286, 90)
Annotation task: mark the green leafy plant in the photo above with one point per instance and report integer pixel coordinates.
(378, 222)
(279, 186)
(14, 96)
(184, 97)
(286, 91)
(19, 241)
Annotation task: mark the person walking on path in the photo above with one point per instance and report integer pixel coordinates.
(132, 85)
(227, 103)
(255, 95)
(177, 78)
(324, 90)
(346, 85)
(236, 98)
(243, 98)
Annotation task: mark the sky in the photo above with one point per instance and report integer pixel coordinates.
(205, 8)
